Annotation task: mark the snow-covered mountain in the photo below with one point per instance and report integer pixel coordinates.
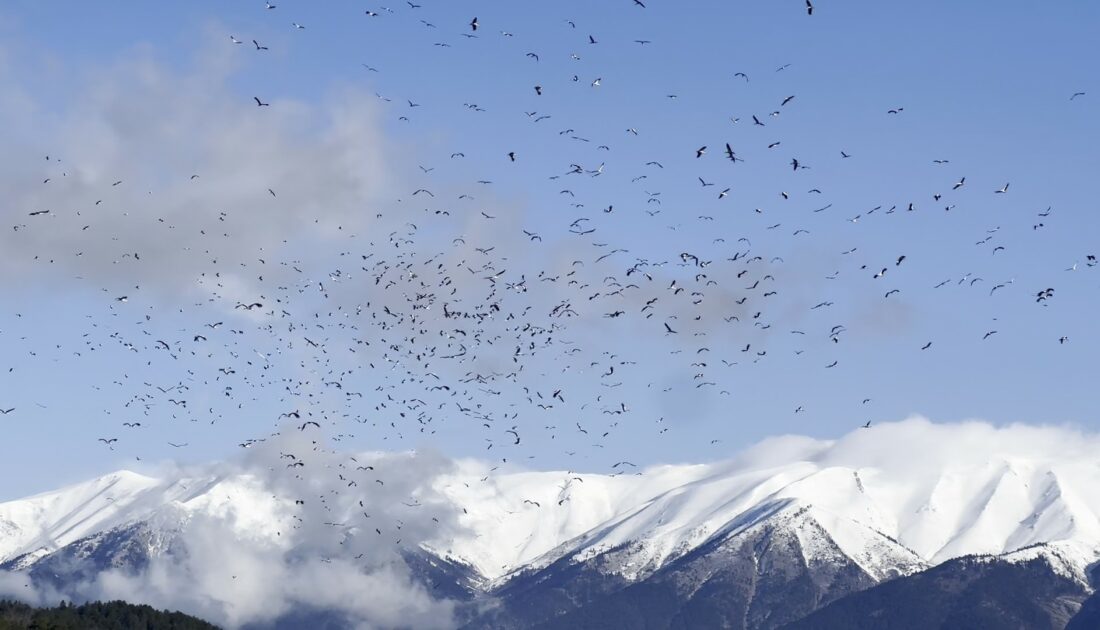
(37, 526)
(879, 504)
(885, 514)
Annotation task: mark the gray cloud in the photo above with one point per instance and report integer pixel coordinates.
(152, 128)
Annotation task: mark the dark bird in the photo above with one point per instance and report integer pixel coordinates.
(260, 103)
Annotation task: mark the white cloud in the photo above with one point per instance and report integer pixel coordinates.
(243, 551)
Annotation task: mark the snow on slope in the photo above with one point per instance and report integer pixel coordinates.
(905, 493)
(54, 519)
(43, 523)
(939, 491)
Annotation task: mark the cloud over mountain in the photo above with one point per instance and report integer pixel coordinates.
(252, 540)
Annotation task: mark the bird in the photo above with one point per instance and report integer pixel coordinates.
(809, 8)
(260, 103)
(473, 24)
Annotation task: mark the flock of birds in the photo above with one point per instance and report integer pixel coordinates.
(456, 316)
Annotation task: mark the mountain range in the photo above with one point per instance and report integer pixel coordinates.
(875, 530)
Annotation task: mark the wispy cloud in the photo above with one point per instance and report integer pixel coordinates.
(161, 179)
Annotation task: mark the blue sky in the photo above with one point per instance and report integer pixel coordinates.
(150, 94)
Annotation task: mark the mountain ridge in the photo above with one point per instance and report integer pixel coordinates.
(806, 521)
